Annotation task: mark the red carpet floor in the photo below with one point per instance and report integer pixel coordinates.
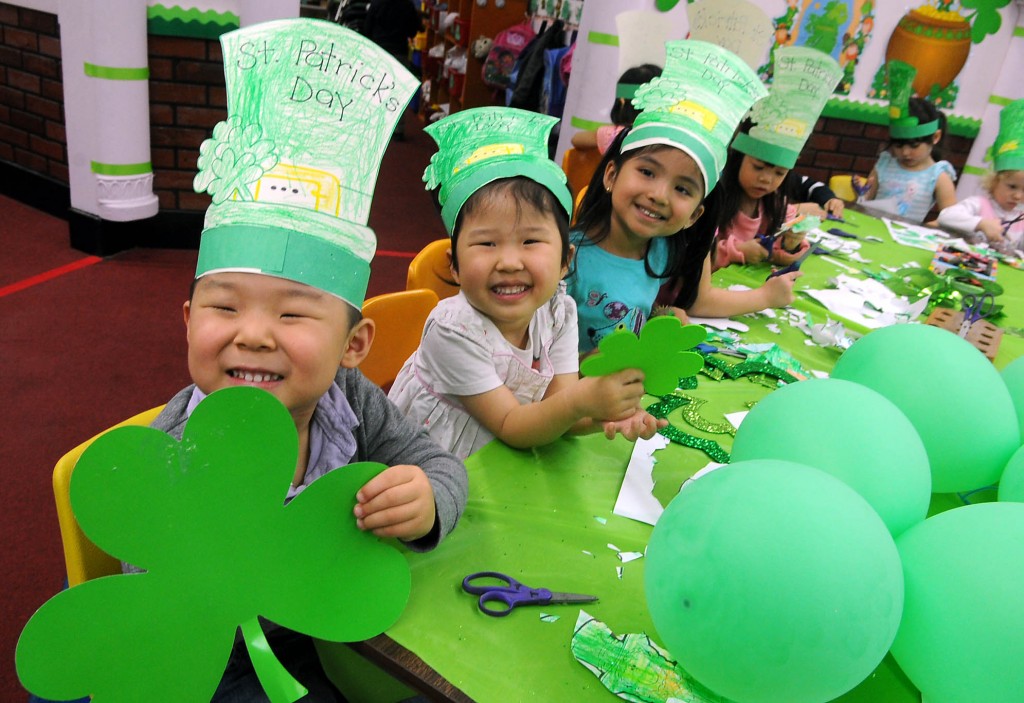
(87, 342)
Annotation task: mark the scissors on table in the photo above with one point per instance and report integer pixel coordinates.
(795, 266)
(976, 307)
(511, 594)
(712, 349)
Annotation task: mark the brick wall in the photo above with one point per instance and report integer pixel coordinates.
(840, 147)
(32, 93)
(186, 100)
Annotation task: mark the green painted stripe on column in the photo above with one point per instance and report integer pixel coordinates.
(120, 169)
(603, 38)
(590, 125)
(999, 100)
(1018, 31)
(975, 171)
(113, 73)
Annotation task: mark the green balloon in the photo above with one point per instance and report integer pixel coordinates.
(949, 391)
(1011, 485)
(1013, 377)
(886, 684)
(961, 635)
(851, 432)
(774, 582)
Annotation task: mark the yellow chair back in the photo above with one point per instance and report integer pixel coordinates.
(84, 560)
(842, 186)
(399, 319)
(430, 269)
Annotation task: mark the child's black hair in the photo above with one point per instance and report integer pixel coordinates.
(687, 248)
(623, 113)
(925, 111)
(732, 196)
(523, 191)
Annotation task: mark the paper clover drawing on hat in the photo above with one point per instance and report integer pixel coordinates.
(660, 352)
(485, 144)
(206, 518)
(311, 108)
(695, 104)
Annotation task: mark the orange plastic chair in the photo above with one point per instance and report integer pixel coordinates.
(430, 269)
(579, 166)
(84, 560)
(399, 318)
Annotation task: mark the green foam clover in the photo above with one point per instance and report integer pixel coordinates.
(206, 518)
(659, 351)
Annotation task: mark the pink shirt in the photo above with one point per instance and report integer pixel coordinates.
(743, 228)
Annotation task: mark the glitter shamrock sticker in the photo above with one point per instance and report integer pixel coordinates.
(659, 351)
(235, 157)
(206, 518)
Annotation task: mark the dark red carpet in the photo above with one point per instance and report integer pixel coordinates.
(86, 343)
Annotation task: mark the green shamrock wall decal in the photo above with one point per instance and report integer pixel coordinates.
(206, 518)
(659, 351)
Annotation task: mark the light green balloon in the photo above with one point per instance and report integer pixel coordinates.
(851, 432)
(1011, 485)
(949, 391)
(962, 635)
(774, 582)
(1013, 377)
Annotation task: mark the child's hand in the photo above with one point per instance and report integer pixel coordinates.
(613, 397)
(640, 425)
(992, 229)
(835, 207)
(397, 502)
(753, 252)
(778, 290)
(782, 257)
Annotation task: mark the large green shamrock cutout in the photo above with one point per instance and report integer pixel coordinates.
(659, 351)
(207, 520)
(234, 158)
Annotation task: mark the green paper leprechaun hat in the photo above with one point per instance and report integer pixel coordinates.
(485, 144)
(804, 80)
(903, 125)
(1008, 150)
(695, 104)
(311, 108)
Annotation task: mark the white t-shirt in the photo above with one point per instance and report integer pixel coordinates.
(462, 353)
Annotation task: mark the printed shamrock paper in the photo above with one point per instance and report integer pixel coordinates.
(659, 351)
(206, 518)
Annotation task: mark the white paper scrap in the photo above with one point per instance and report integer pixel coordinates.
(636, 500)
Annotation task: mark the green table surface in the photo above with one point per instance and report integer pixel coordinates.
(534, 514)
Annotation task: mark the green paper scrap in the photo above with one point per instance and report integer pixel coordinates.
(206, 517)
(632, 666)
(547, 617)
(659, 351)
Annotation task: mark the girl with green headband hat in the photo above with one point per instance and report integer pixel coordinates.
(499, 358)
(997, 216)
(908, 176)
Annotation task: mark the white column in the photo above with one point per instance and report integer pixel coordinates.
(106, 106)
(255, 11)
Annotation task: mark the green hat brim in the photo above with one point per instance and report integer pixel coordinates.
(910, 129)
(769, 153)
(1009, 162)
(284, 253)
(546, 174)
(664, 134)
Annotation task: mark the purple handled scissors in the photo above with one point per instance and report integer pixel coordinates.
(510, 593)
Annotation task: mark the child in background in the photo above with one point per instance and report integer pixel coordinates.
(997, 217)
(759, 187)
(907, 171)
(499, 359)
(643, 220)
(622, 113)
(276, 305)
